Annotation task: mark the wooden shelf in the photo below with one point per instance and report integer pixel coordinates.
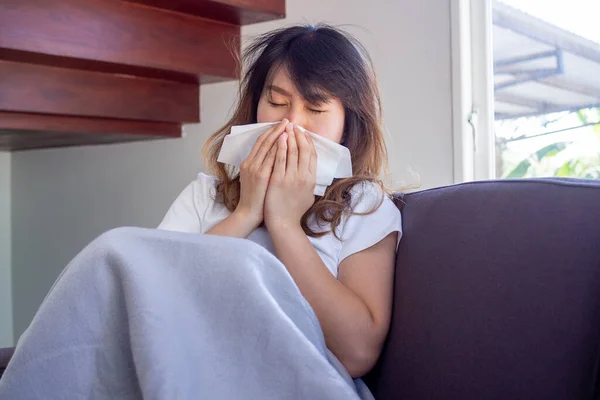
(76, 72)
(22, 131)
(237, 12)
(51, 90)
(118, 34)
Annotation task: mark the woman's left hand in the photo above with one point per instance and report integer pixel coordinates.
(292, 183)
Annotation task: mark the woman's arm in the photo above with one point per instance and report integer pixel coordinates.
(238, 224)
(354, 310)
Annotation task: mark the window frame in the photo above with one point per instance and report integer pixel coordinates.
(472, 90)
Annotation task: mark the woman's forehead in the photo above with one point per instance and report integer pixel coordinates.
(280, 78)
(279, 81)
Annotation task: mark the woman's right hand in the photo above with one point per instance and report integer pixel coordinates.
(255, 172)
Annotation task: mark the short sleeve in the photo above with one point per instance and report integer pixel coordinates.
(186, 213)
(363, 231)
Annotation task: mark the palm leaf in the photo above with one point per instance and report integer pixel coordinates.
(567, 169)
(545, 152)
(551, 150)
(520, 170)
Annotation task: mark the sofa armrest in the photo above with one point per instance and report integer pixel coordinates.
(5, 356)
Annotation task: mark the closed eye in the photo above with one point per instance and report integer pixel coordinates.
(316, 111)
(276, 104)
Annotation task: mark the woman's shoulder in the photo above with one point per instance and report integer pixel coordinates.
(187, 211)
(205, 185)
(206, 180)
(201, 190)
(373, 216)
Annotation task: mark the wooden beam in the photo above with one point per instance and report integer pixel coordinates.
(238, 12)
(92, 126)
(22, 131)
(20, 141)
(109, 68)
(39, 89)
(120, 34)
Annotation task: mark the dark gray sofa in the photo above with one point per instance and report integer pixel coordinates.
(497, 294)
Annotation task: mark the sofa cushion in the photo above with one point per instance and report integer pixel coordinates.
(497, 294)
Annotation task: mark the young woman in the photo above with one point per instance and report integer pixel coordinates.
(339, 248)
(201, 313)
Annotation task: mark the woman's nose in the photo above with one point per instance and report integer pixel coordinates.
(296, 117)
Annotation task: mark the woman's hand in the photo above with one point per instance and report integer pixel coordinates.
(255, 173)
(290, 190)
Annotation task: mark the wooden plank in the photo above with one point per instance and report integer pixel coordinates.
(110, 68)
(85, 126)
(238, 12)
(21, 131)
(50, 90)
(122, 34)
(20, 141)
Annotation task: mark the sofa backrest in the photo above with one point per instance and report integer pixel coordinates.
(497, 294)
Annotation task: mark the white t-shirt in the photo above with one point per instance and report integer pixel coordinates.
(196, 211)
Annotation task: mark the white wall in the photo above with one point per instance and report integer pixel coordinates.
(64, 198)
(6, 319)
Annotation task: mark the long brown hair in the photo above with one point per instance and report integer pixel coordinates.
(320, 60)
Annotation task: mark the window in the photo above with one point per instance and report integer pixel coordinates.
(527, 82)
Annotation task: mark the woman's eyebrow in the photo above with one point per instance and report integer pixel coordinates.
(280, 90)
(317, 98)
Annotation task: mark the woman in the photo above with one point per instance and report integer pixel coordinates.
(145, 313)
(317, 78)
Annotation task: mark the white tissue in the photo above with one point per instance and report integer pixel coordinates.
(333, 159)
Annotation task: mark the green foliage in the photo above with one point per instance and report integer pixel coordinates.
(563, 159)
(523, 167)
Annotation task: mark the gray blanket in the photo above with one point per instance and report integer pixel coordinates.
(142, 313)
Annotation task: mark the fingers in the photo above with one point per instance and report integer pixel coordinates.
(266, 141)
(292, 151)
(280, 159)
(304, 150)
(269, 160)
